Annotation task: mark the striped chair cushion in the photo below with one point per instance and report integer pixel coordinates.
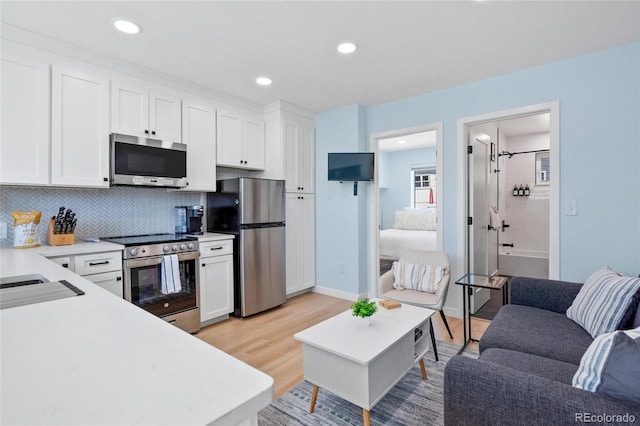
(417, 277)
(611, 366)
(602, 302)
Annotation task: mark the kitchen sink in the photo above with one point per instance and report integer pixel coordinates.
(22, 280)
(34, 288)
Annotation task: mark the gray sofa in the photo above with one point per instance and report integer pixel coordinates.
(528, 356)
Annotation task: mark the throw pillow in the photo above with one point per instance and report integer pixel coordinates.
(629, 317)
(602, 301)
(611, 366)
(417, 277)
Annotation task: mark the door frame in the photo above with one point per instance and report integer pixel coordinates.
(374, 197)
(553, 108)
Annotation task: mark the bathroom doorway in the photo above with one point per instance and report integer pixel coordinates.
(522, 232)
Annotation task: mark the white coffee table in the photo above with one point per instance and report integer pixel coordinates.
(359, 363)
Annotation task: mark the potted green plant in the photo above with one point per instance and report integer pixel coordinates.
(364, 309)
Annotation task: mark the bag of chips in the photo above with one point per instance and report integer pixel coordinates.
(26, 231)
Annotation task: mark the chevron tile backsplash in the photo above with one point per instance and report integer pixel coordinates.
(100, 212)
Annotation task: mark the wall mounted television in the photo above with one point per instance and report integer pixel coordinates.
(351, 166)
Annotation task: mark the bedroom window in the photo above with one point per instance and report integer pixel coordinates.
(423, 188)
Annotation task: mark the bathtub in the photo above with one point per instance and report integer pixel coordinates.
(523, 263)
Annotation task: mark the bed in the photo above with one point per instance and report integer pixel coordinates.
(413, 229)
(393, 242)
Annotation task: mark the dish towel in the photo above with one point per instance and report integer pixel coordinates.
(494, 218)
(170, 275)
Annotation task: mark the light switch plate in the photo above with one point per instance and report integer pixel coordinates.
(3, 230)
(572, 208)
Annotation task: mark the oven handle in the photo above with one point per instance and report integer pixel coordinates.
(156, 260)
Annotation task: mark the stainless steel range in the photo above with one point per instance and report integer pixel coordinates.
(161, 275)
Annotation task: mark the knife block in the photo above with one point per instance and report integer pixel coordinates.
(59, 239)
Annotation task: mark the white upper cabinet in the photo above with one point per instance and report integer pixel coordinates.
(146, 112)
(300, 241)
(79, 129)
(199, 134)
(25, 134)
(299, 147)
(241, 139)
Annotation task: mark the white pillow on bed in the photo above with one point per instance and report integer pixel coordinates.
(417, 277)
(415, 220)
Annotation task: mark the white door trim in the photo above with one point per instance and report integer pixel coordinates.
(374, 197)
(554, 203)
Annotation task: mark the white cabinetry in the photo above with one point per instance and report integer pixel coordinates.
(147, 112)
(103, 269)
(199, 134)
(300, 242)
(24, 143)
(299, 149)
(216, 280)
(241, 139)
(79, 129)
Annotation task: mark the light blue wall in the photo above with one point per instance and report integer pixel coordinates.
(599, 97)
(341, 217)
(397, 170)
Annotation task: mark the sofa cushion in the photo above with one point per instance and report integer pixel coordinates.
(547, 368)
(611, 366)
(603, 300)
(538, 332)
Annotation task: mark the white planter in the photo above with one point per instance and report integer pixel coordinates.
(363, 321)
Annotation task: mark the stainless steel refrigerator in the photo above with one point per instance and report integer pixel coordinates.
(253, 211)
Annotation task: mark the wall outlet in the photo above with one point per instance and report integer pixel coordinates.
(341, 268)
(3, 230)
(572, 208)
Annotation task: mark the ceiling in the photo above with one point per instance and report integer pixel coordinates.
(408, 142)
(405, 48)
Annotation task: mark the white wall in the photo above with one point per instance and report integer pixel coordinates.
(527, 217)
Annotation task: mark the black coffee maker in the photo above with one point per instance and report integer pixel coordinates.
(189, 220)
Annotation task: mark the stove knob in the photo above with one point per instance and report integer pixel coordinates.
(133, 251)
(166, 249)
(191, 246)
(183, 246)
(175, 247)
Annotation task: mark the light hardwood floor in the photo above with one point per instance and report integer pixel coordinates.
(265, 341)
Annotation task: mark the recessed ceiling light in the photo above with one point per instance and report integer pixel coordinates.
(346, 48)
(264, 81)
(127, 26)
(401, 141)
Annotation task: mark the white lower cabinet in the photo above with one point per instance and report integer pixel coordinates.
(110, 281)
(216, 280)
(300, 242)
(103, 269)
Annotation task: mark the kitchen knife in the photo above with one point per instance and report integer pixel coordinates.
(57, 228)
(73, 226)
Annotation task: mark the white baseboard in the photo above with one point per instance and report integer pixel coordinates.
(337, 293)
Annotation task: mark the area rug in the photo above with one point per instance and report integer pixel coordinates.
(412, 401)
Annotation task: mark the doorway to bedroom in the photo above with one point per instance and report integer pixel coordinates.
(409, 192)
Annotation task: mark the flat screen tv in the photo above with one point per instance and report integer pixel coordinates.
(351, 166)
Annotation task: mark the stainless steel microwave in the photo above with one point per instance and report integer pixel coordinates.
(142, 161)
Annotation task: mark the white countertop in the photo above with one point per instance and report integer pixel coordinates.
(97, 359)
(213, 236)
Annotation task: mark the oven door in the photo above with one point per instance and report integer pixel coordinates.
(143, 284)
